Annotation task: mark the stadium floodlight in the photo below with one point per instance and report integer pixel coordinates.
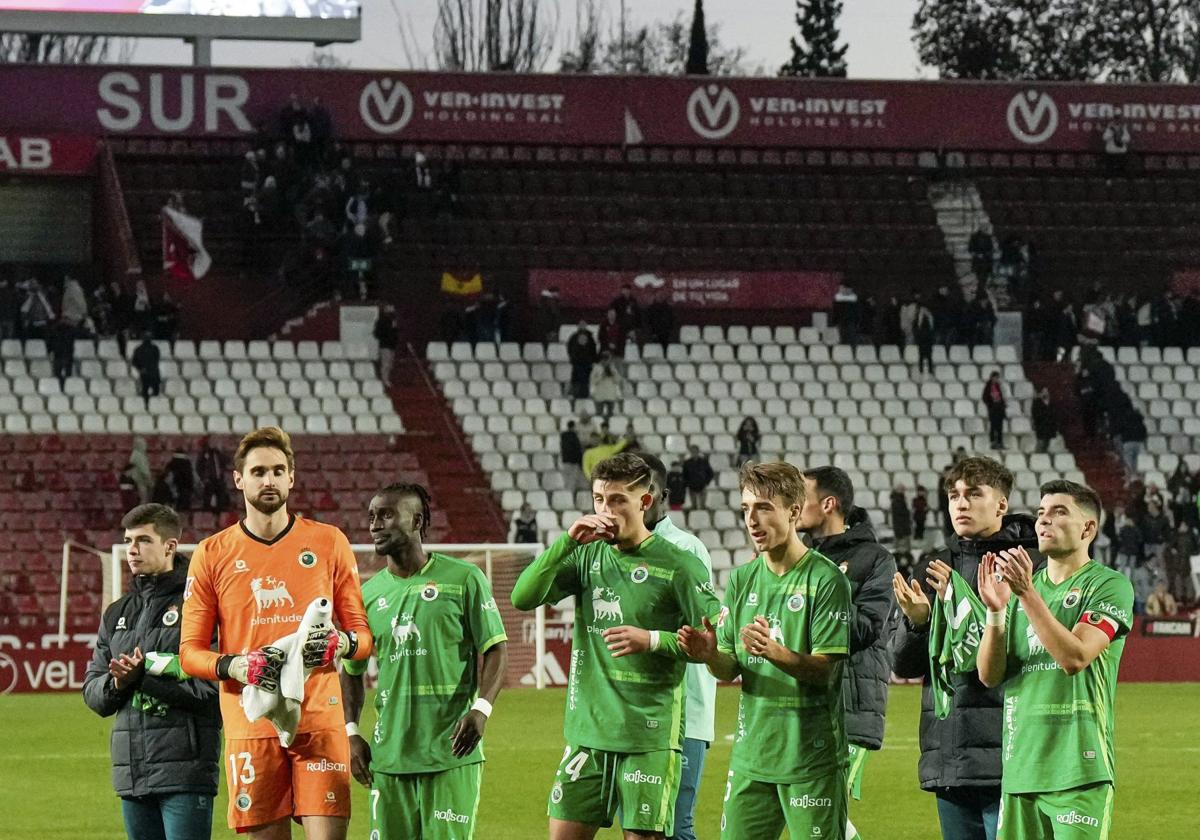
(319, 21)
(501, 564)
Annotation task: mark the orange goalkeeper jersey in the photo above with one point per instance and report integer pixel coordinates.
(254, 592)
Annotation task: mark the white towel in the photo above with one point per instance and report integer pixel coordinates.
(282, 708)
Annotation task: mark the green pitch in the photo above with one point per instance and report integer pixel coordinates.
(55, 775)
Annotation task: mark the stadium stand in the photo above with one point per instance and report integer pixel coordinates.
(1163, 385)
(864, 411)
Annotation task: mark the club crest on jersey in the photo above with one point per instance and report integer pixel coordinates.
(272, 593)
(556, 793)
(307, 558)
(375, 834)
(640, 574)
(430, 592)
(796, 602)
(171, 616)
(243, 802)
(1071, 599)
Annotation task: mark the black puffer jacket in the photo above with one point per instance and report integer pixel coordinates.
(169, 741)
(964, 749)
(869, 568)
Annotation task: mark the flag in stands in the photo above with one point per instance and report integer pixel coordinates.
(452, 285)
(184, 256)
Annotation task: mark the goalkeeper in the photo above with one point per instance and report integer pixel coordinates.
(166, 741)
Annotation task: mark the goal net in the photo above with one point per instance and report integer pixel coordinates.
(501, 563)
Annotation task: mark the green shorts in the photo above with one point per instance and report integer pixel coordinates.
(426, 806)
(757, 810)
(590, 785)
(854, 777)
(1083, 813)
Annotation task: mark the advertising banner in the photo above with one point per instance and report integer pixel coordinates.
(691, 290)
(551, 109)
(28, 664)
(29, 154)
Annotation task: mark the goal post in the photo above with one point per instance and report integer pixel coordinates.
(501, 563)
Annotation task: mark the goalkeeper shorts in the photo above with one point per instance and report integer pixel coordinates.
(268, 782)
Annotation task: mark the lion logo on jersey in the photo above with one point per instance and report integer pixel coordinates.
(273, 594)
(606, 604)
(404, 628)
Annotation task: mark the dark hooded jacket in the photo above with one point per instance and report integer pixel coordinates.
(167, 738)
(964, 749)
(869, 567)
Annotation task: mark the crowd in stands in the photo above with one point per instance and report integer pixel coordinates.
(1106, 410)
(944, 318)
(183, 484)
(1055, 324)
(1153, 538)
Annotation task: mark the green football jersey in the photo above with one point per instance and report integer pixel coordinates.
(1058, 729)
(635, 703)
(429, 630)
(788, 731)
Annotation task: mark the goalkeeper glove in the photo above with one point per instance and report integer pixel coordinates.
(259, 668)
(323, 645)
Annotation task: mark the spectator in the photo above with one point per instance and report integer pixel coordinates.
(570, 457)
(251, 175)
(212, 468)
(1131, 429)
(524, 525)
(1142, 578)
(629, 314)
(166, 319)
(983, 319)
(997, 410)
(62, 352)
(1116, 139)
(145, 361)
(1129, 544)
(581, 352)
(1177, 560)
(74, 304)
(697, 475)
(176, 486)
(846, 314)
(902, 521)
(982, 247)
(10, 307)
(908, 319)
(139, 469)
(142, 317)
(1067, 327)
(321, 125)
(1161, 602)
(1156, 530)
(886, 328)
(920, 511)
(36, 312)
(924, 334)
(1180, 493)
(548, 317)
(748, 440)
(606, 386)
(946, 310)
(676, 485)
(387, 337)
(660, 320)
(1045, 425)
(612, 335)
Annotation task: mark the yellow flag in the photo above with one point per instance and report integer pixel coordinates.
(451, 285)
